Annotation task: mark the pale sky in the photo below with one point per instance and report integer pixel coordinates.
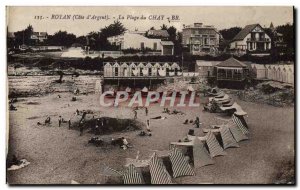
(18, 18)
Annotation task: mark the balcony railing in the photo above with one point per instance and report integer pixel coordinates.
(258, 39)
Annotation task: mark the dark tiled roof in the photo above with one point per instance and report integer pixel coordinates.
(243, 33)
(231, 62)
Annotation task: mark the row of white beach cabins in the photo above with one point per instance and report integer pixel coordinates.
(276, 72)
(141, 69)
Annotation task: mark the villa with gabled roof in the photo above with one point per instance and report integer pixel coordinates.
(251, 39)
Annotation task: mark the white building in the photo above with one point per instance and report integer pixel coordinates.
(200, 39)
(251, 39)
(135, 41)
(39, 36)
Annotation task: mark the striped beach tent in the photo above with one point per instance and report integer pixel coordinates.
(241, 124)
(213, 145)
(131, 176)
(107, 171)
(158, 172)
(201, 155)
(180, 165)
(236, 132)
(227, 138)
(73, 182)
(112, 176)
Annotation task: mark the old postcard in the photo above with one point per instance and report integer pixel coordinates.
(150, 95)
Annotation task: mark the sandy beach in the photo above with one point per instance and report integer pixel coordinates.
(59, 155)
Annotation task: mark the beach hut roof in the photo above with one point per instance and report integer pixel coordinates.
(116, 64)
(141, 64)
(107, 64)
(132, 64)
(166, 65)
(157, 64)
(175, 65)
(124, 64)
(148, 64)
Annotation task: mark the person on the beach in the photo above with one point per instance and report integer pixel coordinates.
(59, 121)
(197, 122)
(97, 130)
(166, 110)
(83, 116)
(47, 121)
(135, 114)
(125, 143)
(69, 123)
(102, 122)
(146, 111)
(81, 128)
(148, 125)
(76, 91)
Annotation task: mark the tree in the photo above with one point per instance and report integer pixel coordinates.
(91, 40)
(164, 27)
(61, 38)
(114, 29)
(230, 33)
(172, 33)
(287, 31)
(61, 75)
(176, 38)
(24, 36)
(178, 49)
(81, 40)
